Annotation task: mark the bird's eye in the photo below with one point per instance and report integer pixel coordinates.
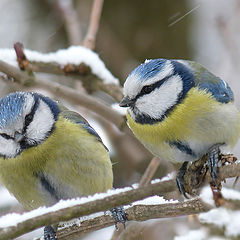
(4, 135)
(28, 118)
(147, 89)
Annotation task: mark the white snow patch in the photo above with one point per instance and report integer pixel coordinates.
(223, 218)
(73, 55)
(169, 176)
(200, 234)
(207, 196)
(154, 200)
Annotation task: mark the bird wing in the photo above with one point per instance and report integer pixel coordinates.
(78, 119)
(207, 81)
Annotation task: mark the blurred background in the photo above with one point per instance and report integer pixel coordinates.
(130, 32)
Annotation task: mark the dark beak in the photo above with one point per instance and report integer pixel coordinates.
(127, 102)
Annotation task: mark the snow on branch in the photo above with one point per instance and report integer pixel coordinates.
(75, 208)
(57, 89)
(64, 58)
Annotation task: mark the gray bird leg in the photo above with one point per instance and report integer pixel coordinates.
(213, 159)
(180, 179)
(119, 216)
(49, 233)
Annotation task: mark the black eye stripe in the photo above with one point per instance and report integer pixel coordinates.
(29, 117)
(149, 88)
(4, 135)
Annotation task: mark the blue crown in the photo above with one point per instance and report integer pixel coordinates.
(149, 69)
(11, 108)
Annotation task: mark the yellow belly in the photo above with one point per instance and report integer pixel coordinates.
(74, 162)
(198, 120)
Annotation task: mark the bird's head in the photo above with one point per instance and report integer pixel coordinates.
(154, 88)
(26, 120)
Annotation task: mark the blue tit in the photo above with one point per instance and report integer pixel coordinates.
(48, 152)
(180, 111)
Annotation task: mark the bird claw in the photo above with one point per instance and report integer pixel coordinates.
(49, 233)
(213, 159)
(119, 215)
(180, 179)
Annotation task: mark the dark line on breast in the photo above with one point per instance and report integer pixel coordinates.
(48, 187)
(182, 147)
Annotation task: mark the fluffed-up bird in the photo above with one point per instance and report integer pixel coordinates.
(48, 153)
(180, 111)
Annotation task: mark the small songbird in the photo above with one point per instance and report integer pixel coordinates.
(48, 153)
(180, 112)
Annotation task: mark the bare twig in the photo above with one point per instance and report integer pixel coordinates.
(90, 38)
(145, 179)
(150, 171)
(70, 19)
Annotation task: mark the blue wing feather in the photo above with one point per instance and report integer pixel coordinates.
(220, 90)
(207, 81)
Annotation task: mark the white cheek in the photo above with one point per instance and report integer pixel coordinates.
(8, 148)
(42, 123)
(160, 100)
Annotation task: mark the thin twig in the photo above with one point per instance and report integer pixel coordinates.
(70, 19)
(150, 171)
(145, 179)
(90, 38)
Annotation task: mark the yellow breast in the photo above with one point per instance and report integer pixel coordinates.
(75, 162)
(199, 117)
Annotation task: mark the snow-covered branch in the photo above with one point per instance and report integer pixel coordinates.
(69, 93)
(76, 61)
(13, 225)
(136, 213)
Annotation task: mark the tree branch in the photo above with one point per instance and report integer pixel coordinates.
(150, 171)
(70, 19)
(74, 96)
(90, 38)
(136, 213)
(109, 202)
(88, 208)
(80, 72)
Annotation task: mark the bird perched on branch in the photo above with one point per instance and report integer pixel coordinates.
(48, 153)
(180, 112)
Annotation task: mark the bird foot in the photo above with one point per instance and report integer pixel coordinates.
(119, 215)
(49, 233)
(180, 179)
(213, 160)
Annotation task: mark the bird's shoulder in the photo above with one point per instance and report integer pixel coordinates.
(76, 118)
(207, 81)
